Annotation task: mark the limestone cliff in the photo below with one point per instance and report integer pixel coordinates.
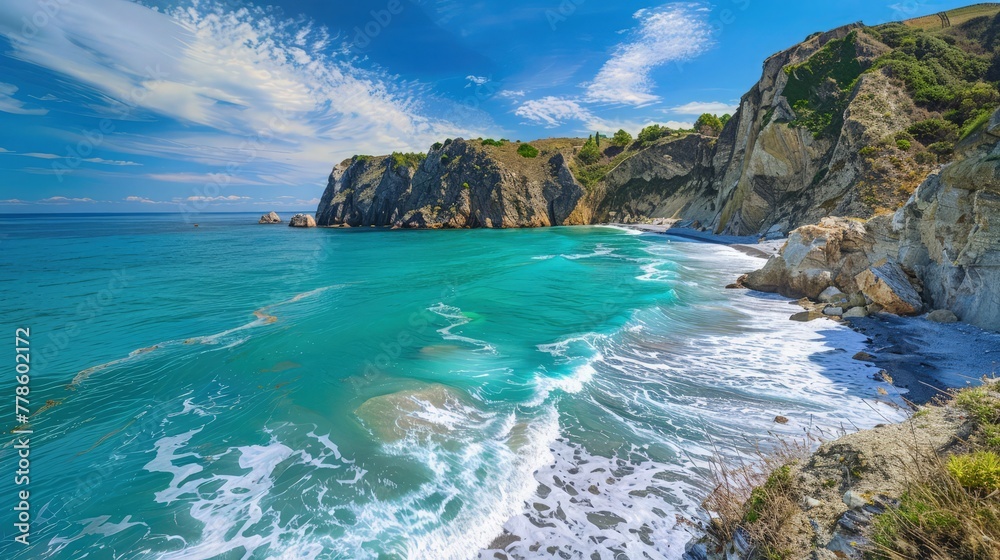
(941, 250)
(458, 184)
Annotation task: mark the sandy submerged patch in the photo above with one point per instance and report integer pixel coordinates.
(425, 410)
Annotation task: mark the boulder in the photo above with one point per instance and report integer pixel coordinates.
(942, 316)
(886, 284)
(855, 313)
(302, 220)
(270, 218)
(815, 258)
(833, 311)
(832, 295)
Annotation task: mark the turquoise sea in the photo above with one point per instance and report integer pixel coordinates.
(234, 390)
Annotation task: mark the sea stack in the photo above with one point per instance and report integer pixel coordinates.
(302, 220)
(270, 218)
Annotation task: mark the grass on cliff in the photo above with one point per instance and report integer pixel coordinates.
(951, 507)
(756, 497)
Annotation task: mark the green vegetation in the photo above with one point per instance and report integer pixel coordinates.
(818, 89)
(527, 150)
(465, 186)
(708, 124)
(589, 154)
(621, 139)
(362, 158)
(492, 142)
(445, 158)
(951, 508)
(653, 133)
(979, 471)
(590, 175)
(407, 159)
(437, 146)
(943, 72)
(780, 481)
(933, 130)
(903, 144)
(725, 119)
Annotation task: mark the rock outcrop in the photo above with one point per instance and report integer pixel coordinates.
(941, 250)
(270, 218)
(460, 184)
(302, 220)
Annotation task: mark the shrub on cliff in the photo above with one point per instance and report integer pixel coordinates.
(589, 153)
(708, 125)
(621, 139)
(527, 150)
(407, 159)
(933, 130)
(652, 133)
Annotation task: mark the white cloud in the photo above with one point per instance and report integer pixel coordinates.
(244, 77)
(10, 105)
(553, 111)
(4, 151)
(476, 80)
(64, 200)
(511, 93)
(12, 201)
(40, 155)
(230, 198)
(700, 107)
(670, 33)
(143, 200)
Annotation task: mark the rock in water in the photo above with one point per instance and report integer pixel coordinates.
(888, 285)
(942, 316)
(270, 218)
(302, 220)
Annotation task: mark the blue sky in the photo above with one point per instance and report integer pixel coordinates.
(226, 105)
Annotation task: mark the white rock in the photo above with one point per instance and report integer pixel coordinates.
(831, 295)
(855, 312)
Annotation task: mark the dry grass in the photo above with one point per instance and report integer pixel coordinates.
(756, 496)
(951, 508)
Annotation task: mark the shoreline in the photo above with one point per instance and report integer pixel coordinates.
(913, 353)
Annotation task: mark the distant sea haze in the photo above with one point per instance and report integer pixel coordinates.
(243, 390)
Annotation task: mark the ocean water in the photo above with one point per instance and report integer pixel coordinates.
(242, 391)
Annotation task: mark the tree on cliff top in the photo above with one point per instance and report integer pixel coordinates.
(621, 139)
(708, 124)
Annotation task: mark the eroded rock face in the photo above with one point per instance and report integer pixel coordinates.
(945, 241)
(270, 218)
(302, 220)
(815, 258)
(458, 185)
(950, 233)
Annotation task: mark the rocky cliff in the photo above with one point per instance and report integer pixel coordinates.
(940, 250)
(458, 184)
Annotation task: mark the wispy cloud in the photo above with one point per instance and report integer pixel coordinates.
(64, 200)
(670, 33)
(141, 199)
(10, 105)
(476, 80)
(41, 155)
(230, 198)
(700, 107)
(261, 93)
(553, 111)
